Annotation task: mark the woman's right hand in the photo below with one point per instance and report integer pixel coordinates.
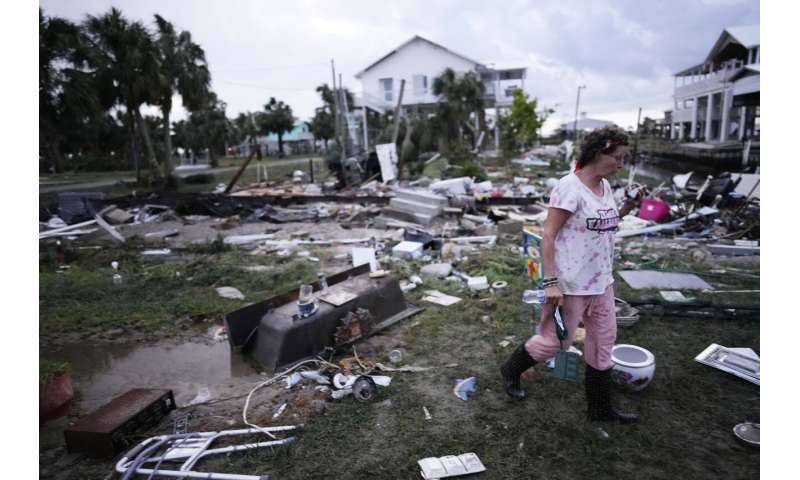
(553, 296)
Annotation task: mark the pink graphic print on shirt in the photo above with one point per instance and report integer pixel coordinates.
(606, 221)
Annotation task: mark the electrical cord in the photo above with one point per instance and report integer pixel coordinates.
(272, 380)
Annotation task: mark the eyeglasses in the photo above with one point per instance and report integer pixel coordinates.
(621, 158)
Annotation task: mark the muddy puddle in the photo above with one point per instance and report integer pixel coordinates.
(195, 370)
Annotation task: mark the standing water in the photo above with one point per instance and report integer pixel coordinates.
(663, 169)
(193, 369)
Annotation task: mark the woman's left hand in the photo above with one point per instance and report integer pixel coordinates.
(636, 193)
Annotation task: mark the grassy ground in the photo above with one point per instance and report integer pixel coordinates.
(153, 294)
(277, 173)
(93, 176)
(81, 177)
(235, 161)
(688, 410)
(203, 182)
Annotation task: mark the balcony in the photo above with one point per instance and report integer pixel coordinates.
(706, 83)
(505, 96)
(500, 84)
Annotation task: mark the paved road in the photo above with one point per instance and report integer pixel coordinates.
(77, 187)
(301, 163)
(73, 187)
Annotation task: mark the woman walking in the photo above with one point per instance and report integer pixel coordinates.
(578, 253)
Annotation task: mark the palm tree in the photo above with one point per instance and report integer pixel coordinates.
(322, 127)
(126, 68)
(329, 100)
(183, 70)
(277, 118)
(58, 42)
(246, 128)
(181, 136)
(209, 128)
(460, 96)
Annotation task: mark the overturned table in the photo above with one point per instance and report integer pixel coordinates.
(273, 333)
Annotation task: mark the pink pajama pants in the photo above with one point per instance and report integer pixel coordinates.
(599, 318)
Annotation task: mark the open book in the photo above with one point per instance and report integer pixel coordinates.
(450, 466)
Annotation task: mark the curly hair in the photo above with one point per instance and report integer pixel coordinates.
(601, 140)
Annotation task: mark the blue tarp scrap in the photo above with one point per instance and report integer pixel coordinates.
(464, 387)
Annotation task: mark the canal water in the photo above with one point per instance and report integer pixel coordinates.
(663, 169)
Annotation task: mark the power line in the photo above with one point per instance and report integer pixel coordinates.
(283, 67)
(264, 87)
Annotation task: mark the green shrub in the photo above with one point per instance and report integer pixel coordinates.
(470, 169)
(171, 183)
(48, 370)
(199, 179)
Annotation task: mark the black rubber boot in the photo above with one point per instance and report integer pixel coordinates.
(518, 362)
(598, 398)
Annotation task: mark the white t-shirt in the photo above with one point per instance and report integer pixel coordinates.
(584, 247)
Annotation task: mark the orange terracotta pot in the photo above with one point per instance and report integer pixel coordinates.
(54, 397)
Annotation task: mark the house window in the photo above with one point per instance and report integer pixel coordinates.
(386, 88)
(420, 85)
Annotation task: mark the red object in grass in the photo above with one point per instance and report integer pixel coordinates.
(54, 397)
(530, 374)
(654, 209)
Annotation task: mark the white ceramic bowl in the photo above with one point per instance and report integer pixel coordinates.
(634, 367)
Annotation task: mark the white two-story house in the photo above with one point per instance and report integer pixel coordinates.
(718, 100)
(418, 61)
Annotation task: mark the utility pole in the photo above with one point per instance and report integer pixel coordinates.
(577, 102)
(337, 122)
(345, 115)
(496, 113)
(632, 171)
(636, 139)
(396, 128)
(366, 134)
(335, 100)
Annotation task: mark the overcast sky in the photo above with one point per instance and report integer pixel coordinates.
(624, 51)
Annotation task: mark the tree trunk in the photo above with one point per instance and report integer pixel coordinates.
(134, 149)
(473, 135)
(212, 157)
(155, 174)
(280, 144)
(325, 140)
(444, 144)
(405, 150)
(167, 142)
(55, 154)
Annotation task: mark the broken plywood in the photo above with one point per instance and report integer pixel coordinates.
(640, 279)
(439, 298)
(337, 296)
